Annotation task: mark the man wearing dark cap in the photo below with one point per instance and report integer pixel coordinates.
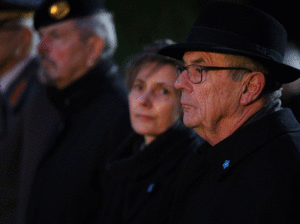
(18, 83)
(248, 171)
(80, 118)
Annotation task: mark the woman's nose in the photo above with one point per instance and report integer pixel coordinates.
(145, 98)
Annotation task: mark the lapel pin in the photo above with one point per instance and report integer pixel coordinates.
(226, 164)
(150, 188)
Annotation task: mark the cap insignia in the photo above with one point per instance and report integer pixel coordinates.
(59, 10)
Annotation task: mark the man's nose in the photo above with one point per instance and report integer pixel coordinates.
(44, 46)
(182, 82)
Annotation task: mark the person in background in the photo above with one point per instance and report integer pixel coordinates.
(18, 83)
(291, 91)
(18, 61)
(145, 167)
(248, 170)
(77, 119)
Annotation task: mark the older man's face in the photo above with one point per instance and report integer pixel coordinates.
(10, 44)
(63, 54)
(215, 99)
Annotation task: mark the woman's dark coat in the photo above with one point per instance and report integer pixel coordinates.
(65, 144)
(142, 187)
(253, 176)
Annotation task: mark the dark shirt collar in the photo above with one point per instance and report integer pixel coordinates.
(269, 108)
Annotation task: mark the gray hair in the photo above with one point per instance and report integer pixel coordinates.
(102, 25)
(272, 89)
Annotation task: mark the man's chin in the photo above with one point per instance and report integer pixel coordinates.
(190, 121)
(46, 78)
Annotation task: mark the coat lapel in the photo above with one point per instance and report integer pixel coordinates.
(19, 90)
(249, 139)
(194, 168)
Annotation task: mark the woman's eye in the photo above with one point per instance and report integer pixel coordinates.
(162, 91)
(137, 87)
(165, 91)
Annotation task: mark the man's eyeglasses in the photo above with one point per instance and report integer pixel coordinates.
(196, 72)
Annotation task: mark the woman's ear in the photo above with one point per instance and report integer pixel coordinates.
(254, 85)
(96, 46)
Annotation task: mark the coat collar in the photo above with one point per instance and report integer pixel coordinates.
(9, 77)
(16, 93)
(168, 148)
(79, 94)
(223, 156)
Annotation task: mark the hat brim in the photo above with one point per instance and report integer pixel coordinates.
(282, 73)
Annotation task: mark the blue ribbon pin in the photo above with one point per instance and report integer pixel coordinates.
(226, 164)
(150, 188)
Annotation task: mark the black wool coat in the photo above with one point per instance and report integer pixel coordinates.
(253, 176)
(68, 135)
(15, 104)
(141, 190)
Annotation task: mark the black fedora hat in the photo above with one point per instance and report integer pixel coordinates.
(234, 28)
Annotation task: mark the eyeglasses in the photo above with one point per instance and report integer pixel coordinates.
(196, 72)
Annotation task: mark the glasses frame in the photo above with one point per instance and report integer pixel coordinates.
(180, 69)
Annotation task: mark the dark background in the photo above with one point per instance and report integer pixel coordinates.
(140, 22)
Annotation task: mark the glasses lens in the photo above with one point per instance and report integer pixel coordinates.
(194, 72)
(179, 70)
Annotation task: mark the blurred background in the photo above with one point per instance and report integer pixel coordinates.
(140, 22)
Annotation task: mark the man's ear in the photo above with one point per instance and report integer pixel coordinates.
(254, 84)
(96, 47)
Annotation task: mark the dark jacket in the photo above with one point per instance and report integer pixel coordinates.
(15, 104)
(65, 146)
(253, 176)
(18, 96)
(141, 191)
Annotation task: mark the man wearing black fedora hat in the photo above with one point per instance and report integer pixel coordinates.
(248, 171)
(77, 119)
